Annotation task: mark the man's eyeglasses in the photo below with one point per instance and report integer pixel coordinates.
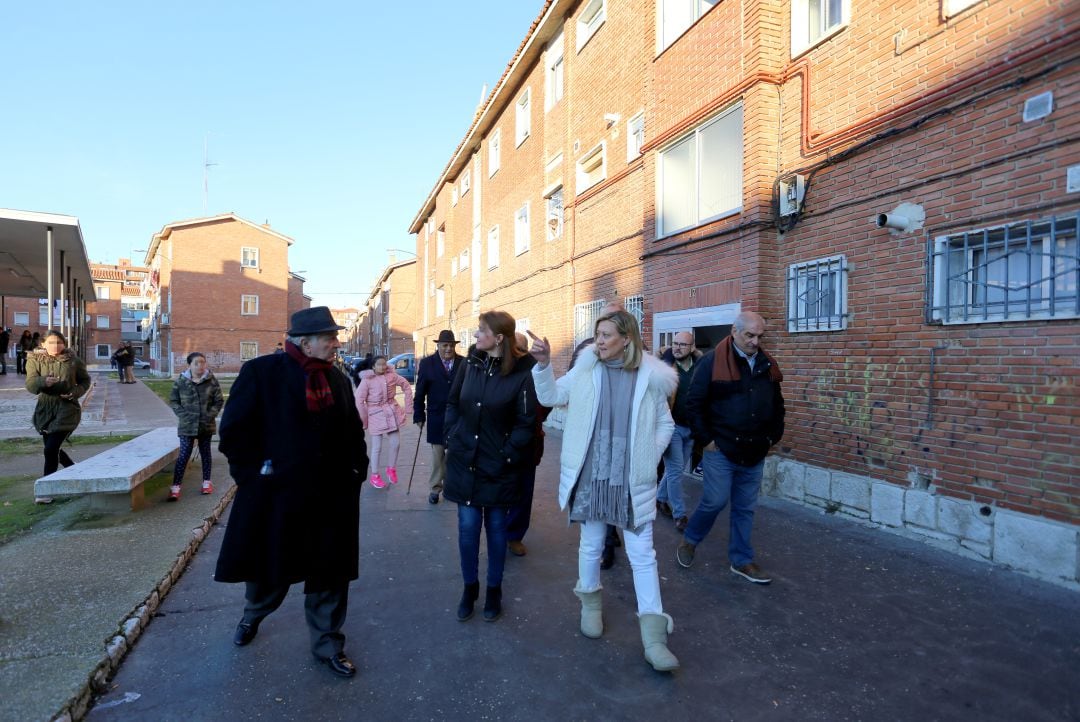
(683, 345)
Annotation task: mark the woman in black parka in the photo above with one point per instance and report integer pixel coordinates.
(490, 417)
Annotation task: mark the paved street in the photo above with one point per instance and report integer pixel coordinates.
(858, 624)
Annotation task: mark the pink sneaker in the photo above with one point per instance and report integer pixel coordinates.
(391, 474)
(377, 481)
(207, 487)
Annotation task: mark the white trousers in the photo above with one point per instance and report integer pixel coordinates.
(640, 552)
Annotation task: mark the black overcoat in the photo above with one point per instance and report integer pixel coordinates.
(490, 424)
(300, 522)
(429, 396)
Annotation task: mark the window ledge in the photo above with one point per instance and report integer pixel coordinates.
(796, 52)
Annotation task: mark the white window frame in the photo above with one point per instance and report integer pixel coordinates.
(804, 293)
(555, 213)
(955, 7)
(635, 306)
(21, 318)
(440, 301)
(494, 153)
(101, 292)
(440, 242)
(463, 264)
(466, 181)
(1052, 251)
(523, 117)
(102, 321)
(592, 17)
(803, 37)
(249, 257)
(493, 248)
(252, 350)
(453, 194)
(694, 136)
(585, 315)
(635, 136)
(584, 180)
(97, 351)
(670, 25)
(521, 230)
(245, 299)
(555, 72)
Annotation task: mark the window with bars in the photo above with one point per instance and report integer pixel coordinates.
(1027, 270)
(248, 350)
(635, 306)
(817, 295)
(585, 315)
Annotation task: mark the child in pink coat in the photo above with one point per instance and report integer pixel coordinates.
(382, 415)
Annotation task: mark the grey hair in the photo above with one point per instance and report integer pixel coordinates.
(744, 318)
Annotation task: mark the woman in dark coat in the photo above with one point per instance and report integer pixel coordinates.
(490, 418)
(59, 378)
(23, 348)
(196, 400)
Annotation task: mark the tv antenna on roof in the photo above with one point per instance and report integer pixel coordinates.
(206, 173)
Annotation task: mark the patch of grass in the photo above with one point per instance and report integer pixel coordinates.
(163, 387)
(18, 512)
(33, 445)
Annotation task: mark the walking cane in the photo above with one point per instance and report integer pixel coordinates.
(413, 471)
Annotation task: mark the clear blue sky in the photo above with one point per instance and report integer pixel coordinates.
(332, 120)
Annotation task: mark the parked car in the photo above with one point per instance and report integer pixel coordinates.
(405, 365)
(140, 364)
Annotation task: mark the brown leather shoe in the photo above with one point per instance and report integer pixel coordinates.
(751, 572)
(516, 548)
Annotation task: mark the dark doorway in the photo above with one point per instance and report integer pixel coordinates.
(706, 337)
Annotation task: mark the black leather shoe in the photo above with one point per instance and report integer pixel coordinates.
(244, 633)
(468, 601)
(607, 558)
(433, 498)
(493, 604)
(340, 665)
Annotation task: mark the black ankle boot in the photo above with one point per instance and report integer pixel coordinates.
(468, 599)
(493, 604)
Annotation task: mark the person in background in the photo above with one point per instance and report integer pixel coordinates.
(519, 516)
(296, 451)
(617, 426)
(382, 415)
(58, 377)
(490, 422)
(5, 340)
(434, 375)
(23, 347)
(196, 400)
(682, 356)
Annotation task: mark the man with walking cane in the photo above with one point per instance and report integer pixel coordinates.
(434, 375)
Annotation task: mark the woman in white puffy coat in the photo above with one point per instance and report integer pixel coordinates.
(618, 424)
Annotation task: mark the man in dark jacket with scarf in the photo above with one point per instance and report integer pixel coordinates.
(434, 375)
(295, 446)
(736, 412)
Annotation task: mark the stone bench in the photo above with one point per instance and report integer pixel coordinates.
(114, 478)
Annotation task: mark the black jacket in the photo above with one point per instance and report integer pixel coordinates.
(432, 390)
(490, 423)
(301, 521)
(745, 417)
(678, 405)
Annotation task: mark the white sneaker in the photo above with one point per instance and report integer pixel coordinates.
(43, 500)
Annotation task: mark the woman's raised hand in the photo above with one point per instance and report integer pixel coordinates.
(540, 349)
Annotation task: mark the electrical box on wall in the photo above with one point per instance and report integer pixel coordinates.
(792, 190)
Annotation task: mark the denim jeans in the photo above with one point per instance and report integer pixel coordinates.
(640, 552)
(725, 480)
(676, 460)
(493, 519)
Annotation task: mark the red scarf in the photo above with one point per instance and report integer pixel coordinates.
(319, 396)
(725, 368)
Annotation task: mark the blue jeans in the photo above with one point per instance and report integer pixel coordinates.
(676, 460)
(493, 519)
(725, 480)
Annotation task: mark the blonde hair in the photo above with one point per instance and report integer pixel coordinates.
(627, 326)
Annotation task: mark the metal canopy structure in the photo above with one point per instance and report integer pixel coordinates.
(42, 255)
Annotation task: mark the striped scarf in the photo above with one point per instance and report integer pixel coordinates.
(319, 396)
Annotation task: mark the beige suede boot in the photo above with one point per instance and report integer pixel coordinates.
(592, 621)
(654, 631)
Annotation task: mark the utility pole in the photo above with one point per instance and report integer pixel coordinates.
(206, 173)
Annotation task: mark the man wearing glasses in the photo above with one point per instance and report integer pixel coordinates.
(669, 497)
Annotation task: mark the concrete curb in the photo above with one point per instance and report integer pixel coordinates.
(129, 630)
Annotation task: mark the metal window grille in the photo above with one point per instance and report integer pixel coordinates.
(1021, 271)
(817, 295)
(635, 305)
(585, 315)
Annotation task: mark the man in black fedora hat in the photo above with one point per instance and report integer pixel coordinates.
(295, 446)
(433, 377)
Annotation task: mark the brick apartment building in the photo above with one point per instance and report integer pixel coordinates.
(119, 311)
(298, 301)
(219, 285)
(387, 322)
(886, 183)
